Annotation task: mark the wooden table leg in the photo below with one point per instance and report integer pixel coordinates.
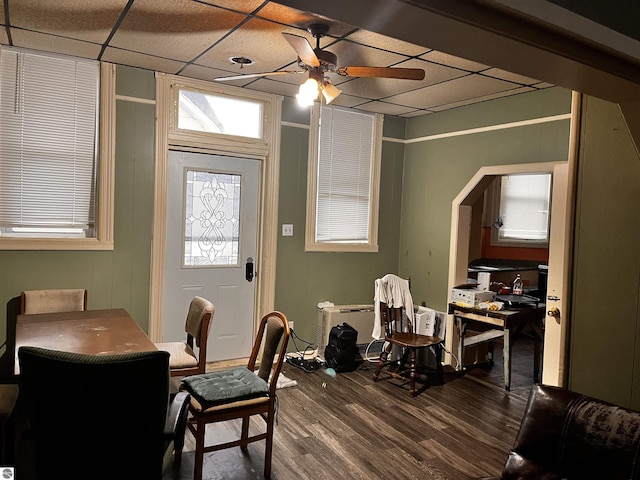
(506, 353)
(462, 327)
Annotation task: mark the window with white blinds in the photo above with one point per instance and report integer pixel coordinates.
(524, 209)
(344, 181)
(48, 145)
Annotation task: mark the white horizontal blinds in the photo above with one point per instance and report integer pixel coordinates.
(344, 176)
(48, 124)
(524, 207)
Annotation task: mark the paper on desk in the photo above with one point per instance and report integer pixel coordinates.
(491, 306)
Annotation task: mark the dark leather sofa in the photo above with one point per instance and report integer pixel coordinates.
(565, 435)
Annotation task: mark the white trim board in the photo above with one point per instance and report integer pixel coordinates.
(458, 133)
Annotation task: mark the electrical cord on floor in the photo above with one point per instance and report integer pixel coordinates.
(366, 352)
(297, 358)
(451, 353)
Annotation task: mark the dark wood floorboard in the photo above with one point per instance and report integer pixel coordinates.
(349, 427)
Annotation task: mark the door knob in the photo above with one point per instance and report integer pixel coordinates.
(248, 269)
(555, 313)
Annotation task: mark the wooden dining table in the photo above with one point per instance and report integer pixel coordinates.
(94, 332)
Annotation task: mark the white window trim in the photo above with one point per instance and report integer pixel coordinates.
(105, 182)
(312, 192)
(492, 199)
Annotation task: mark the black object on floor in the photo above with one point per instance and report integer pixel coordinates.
(308, 366)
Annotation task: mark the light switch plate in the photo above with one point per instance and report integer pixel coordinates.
(287, 230)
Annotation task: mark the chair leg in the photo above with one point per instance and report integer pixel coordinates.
(245, 432)
(269, 443)
(199, 454)
(413, 372)
(381, 363)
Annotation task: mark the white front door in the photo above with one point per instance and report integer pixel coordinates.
(211, 238)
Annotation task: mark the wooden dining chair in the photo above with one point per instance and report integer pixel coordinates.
(401, 337)
(52, 301)
(183, 360)
(240, 393)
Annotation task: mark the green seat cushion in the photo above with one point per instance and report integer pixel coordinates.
(226, 386)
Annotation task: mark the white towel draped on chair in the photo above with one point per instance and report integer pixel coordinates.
(394, 291)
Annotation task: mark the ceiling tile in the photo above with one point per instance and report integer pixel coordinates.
(386, 87)
(416, 113)
(278, 88)
(245, 6)
(133, 59)
(382, 42)
(296, 18)
(187, 28)
(483, 98)
(3, 36)
(55, 44)
(90, 21)
(471, 86)
(509, 76)
(446, 59)
(386, 108)
(259, 40)
(350, 53)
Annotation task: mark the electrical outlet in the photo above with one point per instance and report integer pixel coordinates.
(291, 324)
(287, 230)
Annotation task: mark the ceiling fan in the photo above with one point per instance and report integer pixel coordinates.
(317, 62)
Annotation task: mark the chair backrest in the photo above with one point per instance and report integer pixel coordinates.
(95, 416)
(274, 331)
(393, 319)
(51, 301)
(564, 434)
(393, 295)
(198, 321)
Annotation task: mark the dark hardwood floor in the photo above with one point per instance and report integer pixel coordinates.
(349, 427)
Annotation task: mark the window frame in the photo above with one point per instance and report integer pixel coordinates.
(105, 172)
(196, 140)
(311, 245)
(494, 197)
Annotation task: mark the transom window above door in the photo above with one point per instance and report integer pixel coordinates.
(219, 114)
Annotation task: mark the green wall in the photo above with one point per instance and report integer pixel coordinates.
(605, 321)
(419, 182)
(118, 278)
(305, 279)
(436, 170)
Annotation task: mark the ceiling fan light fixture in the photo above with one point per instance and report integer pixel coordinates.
(308, 92)
(330, 91)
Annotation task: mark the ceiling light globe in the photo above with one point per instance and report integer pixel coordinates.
(304, 101)
(309, 88)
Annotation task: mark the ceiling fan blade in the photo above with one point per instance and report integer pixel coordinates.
(383, 72)
(303, 48)
(255, 75)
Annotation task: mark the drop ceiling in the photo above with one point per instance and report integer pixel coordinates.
(197, 39)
